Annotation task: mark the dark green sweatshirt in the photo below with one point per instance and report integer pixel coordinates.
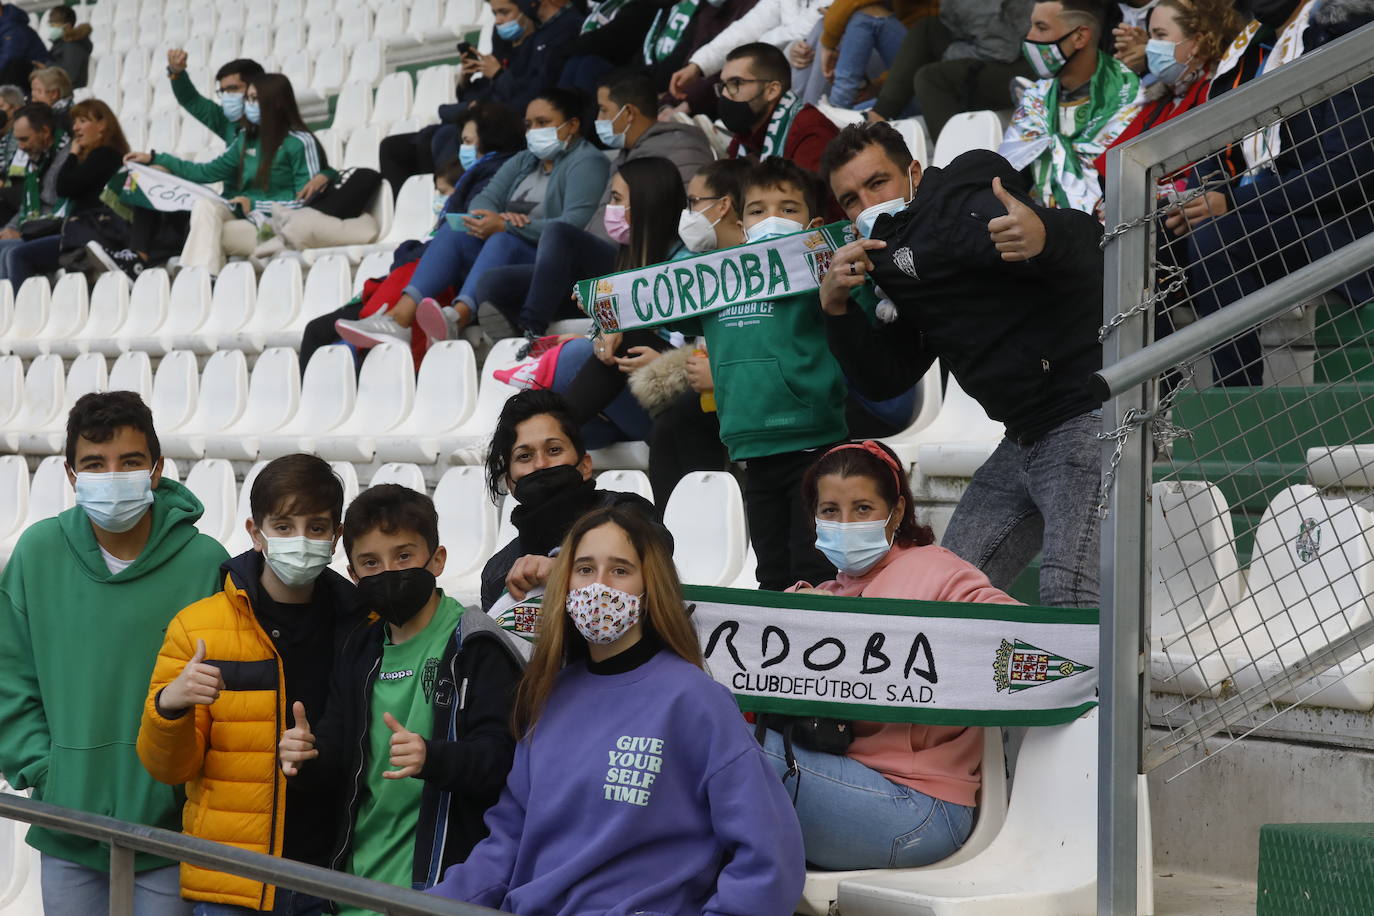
(77, 647)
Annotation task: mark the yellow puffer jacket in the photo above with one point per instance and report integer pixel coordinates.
(226, 752)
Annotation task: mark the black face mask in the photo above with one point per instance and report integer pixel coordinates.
(538, 487)
(550, 499)
(397, 594)
(1273, 13)
(737, 117)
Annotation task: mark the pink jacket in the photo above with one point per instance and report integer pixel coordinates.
(941, 761)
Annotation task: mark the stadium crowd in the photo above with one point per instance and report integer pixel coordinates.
(379, 727)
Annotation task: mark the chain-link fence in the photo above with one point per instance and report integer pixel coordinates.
(1238, 546)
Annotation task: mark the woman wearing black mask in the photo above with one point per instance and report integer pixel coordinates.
(537, 455)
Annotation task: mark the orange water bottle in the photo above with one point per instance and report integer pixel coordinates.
(708, 398)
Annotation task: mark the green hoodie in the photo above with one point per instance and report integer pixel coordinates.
(77, 647)
(296, 161)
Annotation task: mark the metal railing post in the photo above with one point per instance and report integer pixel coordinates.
(121, 880)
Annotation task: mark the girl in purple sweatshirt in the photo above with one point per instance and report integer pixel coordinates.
(637, 787)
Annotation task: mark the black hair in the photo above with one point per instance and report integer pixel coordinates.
(62, 15)
(568, 102)
(656, 202)
(296, 485)
(726, 178)
(280, 116)
(519, 408)
(767, 62)
(891, 484)
(1091, 13)
(244, 67)
(499, 129)
(776, 172)
(98, 415)
(391, 508)
(631, 87)
(450, 170)
(856, 138)
(39, 116)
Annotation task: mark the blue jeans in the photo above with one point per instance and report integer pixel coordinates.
(28, 258)
(622, 420)
(6, 246)
(863, 37)
(284, 903)
(504, 249)
(540, 291)
(455, 258)
(853, 817)
(74, 890)
(1034, 498)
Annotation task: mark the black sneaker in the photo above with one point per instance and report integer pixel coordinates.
(129, 262)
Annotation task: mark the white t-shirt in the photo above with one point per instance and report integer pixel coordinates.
(115, 564)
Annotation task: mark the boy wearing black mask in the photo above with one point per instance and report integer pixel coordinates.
(419, 708)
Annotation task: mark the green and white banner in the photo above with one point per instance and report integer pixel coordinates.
(156, 189)
(712, 281)
(882, 660)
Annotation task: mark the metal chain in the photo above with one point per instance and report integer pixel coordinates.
(1132, 420)
(1210, 182)
(1162, 430)
(1175, 279)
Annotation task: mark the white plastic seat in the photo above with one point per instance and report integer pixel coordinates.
(348, 476)
(706, 516)
(287, 36)
(274, 322)
(66, 314)
(88, 373)
(368, 63)
(274, 395)
(6, 310)
(394, 97)
(238, 540)
(462, 16)
(966, 131)
(133, 371)
(435, 86)
(11, 387)
(170, 471)
(49, 494)
(212, 482)
(412, 218)
(361, 150)
(148, 304)
(106, 315)
(135, 127)
(41, 403)
(386, 394)
(380, 208)
(163, 133)
(330, 68)
(373, 267)
(297, 67)
(176, 388)
(223, 394)
(1196, 572)
(445, 396)
(191, 295)
(226, 44)
(467, 528)
(232, 303)
(400, 472)
(822, 887)
(14, 493)
(469, 441)
(957, 442)
(354, 108)
(625, 481)
(284, 10)
(427, 21)
(840, 117)
(332, 145)
(390, 24)
(326, 289)
(31, 308)
(913, 131)
(356, 27)
(328, 393)
(324, 31)
(632, 456)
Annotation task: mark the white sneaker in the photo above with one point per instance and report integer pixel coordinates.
(101, 256)
(373, 330)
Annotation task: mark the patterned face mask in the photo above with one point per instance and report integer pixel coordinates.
(1046, 57)
(602, 614)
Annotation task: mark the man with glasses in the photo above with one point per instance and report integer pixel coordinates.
(767, 119)
(224, 117)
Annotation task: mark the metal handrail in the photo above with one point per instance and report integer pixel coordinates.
(126, 838)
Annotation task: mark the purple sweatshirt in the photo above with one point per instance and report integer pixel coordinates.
(641, 792)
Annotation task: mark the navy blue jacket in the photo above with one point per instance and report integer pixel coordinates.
(18, 40)
(530, 67)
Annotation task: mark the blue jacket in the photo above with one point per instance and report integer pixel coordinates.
(18, 40)
(579, 176)
(530, 67)
(470, 184)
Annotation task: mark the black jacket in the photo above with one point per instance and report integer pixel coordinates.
(1020, 337)
(467, 760)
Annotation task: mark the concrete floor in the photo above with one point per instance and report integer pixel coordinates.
(1180, 894)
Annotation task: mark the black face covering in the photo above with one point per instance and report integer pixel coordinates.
(737, 117)
(1273, 13)
(397, 594)
(551, 499)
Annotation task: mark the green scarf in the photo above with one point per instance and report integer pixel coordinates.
(600, 14)
(667, 29)
(775, 140)
(33, 186)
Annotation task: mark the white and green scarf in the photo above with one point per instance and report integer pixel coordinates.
(600, 14)
(667, 29)
(775, 139)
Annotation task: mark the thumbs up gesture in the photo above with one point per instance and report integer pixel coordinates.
(198, 684)
(297, 743)
(407, 750)
(1020, 235)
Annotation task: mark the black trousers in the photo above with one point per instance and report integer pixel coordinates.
(684, 438)
(780, 525)
(597, 384)
(319, 332)
(403, 155)
(352, 197)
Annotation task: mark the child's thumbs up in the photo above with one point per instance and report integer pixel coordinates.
(408, 749)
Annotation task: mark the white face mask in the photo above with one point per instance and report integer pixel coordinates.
(602, 614)
(298, 561)
(115, 502)
(771, 228)
(853, 547)
(697, 232)
(865, 220)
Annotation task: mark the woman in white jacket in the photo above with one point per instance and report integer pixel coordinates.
(777, 22)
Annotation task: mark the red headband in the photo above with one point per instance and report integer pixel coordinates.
(877, 451)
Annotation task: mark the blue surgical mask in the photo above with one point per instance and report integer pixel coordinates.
(544, 142)
(252, 111)
(1159, 57)
(232, 105)
(467, 155)
(853, 547)
(115, 502)
(865, 220)
(298, 561)
(605, 131)
(510, 30)
(771, 228)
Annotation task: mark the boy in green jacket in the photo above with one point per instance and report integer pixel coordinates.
(225, 118)
(780, 395)
(83, 605)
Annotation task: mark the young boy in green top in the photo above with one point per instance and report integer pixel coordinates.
(780, 395)
(418, 722)
(84, 602)
(225, 118)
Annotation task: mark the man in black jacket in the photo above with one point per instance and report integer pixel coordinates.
(1008, 295)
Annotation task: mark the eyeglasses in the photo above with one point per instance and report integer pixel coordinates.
(221, 93)
(693, 201)
(730, 88)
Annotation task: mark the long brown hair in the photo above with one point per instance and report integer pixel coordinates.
(280, 116)
(560, 644)
(97, 111)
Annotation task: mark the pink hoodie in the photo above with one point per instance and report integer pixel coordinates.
(941, 761)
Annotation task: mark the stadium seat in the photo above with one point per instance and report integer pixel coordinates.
(14, 493)
(287, 9)
(348, 475)
(133, 371)
(633, 456)
(88, 373)
(427, 22)
(957, 442)
(31, 308)
(239, 541)
(469, 440)
(50, 493)
(381, 209)
(436, 86)
(413, 216)
(395, 95)
(330, 68)
(706, 516)
(967, 131)
(232, 304)
(326, 289)
(360, 152)
(11, 387)
(297, 67)
(67, 309)
(170, 471)
(390, 24)
(176, 386)
(1341, 466)
(274, 395)
(822, 887)
(163, 133)
(1196, 573)
(386, 393)
(913, 131)
(6, 310)
(748, 574)
(288, 36)
(840, 117)
(274, 322)
(191, 293)
(212, 482)
(105, 318)
(467, 529)
(324, 31)
(356, 27)
(147, 307)
(403, 473)
(354, 107)
(328, 393)
(445, 396)
(373, 267)
(625, 481)
(505, 528)
(135, 127)
(332, 144)
(42, 400)
(223, 395)
(368, 63)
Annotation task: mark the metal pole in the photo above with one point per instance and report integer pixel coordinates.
(121, 880)
(1197, 338)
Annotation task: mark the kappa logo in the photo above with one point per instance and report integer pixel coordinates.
(1021, 666)
(906, 262)
(1308, 543)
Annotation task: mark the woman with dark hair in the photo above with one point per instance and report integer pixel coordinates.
(270, 161)
(617, 670)
(901, 795)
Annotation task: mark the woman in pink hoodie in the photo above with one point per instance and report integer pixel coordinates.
(902, 795)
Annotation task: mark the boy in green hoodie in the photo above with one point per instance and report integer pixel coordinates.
(83, 605)
(780, 395)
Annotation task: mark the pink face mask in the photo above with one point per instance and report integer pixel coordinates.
(617, 226)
